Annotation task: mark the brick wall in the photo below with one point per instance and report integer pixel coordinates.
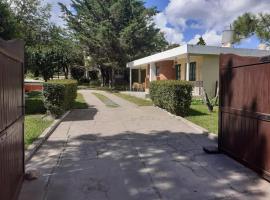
(167, 70)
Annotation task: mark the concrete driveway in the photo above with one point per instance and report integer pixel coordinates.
(132, 152)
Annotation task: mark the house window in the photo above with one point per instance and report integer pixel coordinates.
(178, 71)
(157, 71)
(192, 71)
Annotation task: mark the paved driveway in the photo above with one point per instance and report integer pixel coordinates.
(132, 152)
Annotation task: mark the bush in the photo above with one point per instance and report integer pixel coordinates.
(173, 95)
(84, 81)
(95, 83)
(34, 103)
(59, 96)
(77, 73)
(93, 75)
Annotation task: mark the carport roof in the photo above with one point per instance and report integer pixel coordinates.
(196, 50)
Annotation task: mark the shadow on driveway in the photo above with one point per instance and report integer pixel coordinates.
(134, 165)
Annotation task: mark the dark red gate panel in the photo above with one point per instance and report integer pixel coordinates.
(244, 127)
(11, 119)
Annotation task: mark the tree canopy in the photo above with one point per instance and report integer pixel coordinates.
(250, 24)
(114, 31)
(8, 23)
(33, 20)
(48, 48)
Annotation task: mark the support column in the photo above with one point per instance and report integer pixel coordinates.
(152, 72)
(130, 79)
(140, 75)
(187, 67)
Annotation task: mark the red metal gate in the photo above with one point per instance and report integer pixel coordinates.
(244, 126)
(11, 118)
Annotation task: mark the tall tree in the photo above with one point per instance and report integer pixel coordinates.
(201, 41)
(68, 50)
(8, 23)
(59, 53)
(249, 24)
(33, 19)
(114, 31)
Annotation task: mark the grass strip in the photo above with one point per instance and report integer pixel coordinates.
(108, 102)
(136, 100)
(80, 102)
(34, 127)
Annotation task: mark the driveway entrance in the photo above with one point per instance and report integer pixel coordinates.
(132, 152)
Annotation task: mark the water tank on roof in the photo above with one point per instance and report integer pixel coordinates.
(227, 37)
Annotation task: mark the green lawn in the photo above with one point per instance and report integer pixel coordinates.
(34, 122)
(34, 126)
(108, 102)
(135, 100)
(200, 115)
(80, 102)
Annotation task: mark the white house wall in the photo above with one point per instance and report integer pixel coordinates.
(210, 73)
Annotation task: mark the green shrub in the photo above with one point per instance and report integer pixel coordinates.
(59, 96)
(77, 72)
(95, 83)
(34, 103)
(172, 95)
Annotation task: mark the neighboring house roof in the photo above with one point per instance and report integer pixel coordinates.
(196, 50)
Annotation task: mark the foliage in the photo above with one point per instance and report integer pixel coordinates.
(114, 31)
(8, 23)
(95, 83)
(59, 96)
(42, 59)
(77, 72)
(249, 24)
(61, 40)
(33, 19)
(172, 46)
(172, 95)
(197, 101)
(201, 41)
(93, 75)
(49, 48)
(34, 103)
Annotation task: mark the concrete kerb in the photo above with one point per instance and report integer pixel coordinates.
(32, 149)
(202, 130)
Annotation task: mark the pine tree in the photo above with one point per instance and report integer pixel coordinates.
(249, 24)
(201, 41)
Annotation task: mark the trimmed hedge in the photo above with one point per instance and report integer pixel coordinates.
(172, 95)
(59, 96)
(34, 103)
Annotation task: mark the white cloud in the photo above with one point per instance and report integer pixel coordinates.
(211, 38)
(211, 14)
(172, 35)
(208, 15)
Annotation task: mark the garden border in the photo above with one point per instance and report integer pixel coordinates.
(34, 147)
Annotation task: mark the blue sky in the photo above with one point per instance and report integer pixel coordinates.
(184, 21)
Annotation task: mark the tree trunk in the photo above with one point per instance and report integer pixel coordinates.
(66, 72)
(113, 77)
